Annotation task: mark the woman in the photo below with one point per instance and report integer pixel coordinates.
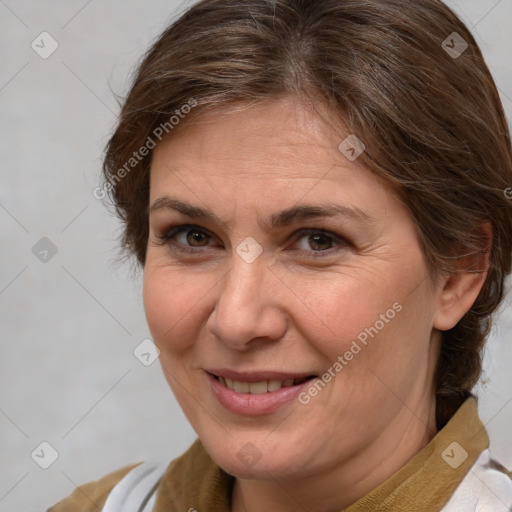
(315, 191)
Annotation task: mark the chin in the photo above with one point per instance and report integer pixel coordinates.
(250, 463)
(260, 471)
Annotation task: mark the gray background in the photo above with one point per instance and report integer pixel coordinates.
(68, 375)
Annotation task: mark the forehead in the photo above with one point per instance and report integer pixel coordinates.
(281, 148)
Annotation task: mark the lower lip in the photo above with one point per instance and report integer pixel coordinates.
(254, 405)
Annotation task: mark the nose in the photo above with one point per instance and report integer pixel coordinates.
(247, 309)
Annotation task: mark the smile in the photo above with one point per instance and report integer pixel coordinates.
(258, 388)
(254, 396)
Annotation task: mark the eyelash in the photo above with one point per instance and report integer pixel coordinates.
(168, 236)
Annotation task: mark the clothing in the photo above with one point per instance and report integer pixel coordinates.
(453, 473)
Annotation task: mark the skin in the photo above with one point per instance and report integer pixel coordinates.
(291, 311)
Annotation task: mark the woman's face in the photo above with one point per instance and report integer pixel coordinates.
(290, 259)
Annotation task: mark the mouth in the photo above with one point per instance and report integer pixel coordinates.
(256, 393)
(259, 387)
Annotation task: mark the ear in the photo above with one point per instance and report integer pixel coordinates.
(459, 289)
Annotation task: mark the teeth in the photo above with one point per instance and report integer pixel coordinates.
(241, 387)
(274, 385)
(258, 388)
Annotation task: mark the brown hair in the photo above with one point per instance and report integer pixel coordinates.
(432, 123)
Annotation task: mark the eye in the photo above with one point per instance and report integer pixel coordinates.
(193, 237)
(317, 241)
(186, 237)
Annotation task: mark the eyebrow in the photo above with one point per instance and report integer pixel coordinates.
(277, 220)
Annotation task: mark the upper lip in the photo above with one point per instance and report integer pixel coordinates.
(257, 376)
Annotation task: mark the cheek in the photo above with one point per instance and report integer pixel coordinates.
(171, 303)
(373, 317)
(338, 308)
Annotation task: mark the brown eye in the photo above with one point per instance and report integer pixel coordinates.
(196, 238)
(187, 238)
(316, 241)
(320, 242)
